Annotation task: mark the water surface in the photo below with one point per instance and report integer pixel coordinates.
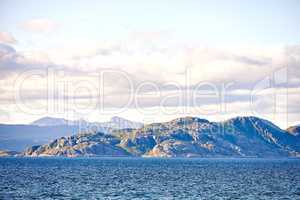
(145, 178)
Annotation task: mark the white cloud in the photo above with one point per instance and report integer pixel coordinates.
(159, 65)
(163, 61)
(39, 25)
(6, 37)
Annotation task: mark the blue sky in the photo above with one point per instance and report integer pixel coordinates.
(213, 22)
(238, 43)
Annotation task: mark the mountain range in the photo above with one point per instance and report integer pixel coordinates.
(182, 137)
(114, 123)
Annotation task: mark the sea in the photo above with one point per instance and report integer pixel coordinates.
(149, 178)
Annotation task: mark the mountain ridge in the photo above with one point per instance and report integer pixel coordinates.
(182, 137)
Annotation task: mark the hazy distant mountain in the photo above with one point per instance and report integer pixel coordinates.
(50, 121)
(121, 123)
(19, 137)
(41, 131)
(115, 123)
(4, 153)
(183, 137)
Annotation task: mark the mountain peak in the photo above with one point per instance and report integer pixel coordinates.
(245, 118)
(49, 121)
(117, 119)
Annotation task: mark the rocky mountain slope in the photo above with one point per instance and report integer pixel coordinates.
(183, 137)
(91, 144)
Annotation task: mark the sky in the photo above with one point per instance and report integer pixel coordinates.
(149, 61)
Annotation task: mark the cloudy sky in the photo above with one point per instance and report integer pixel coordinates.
(149, 60)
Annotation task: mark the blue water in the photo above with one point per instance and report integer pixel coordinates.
(141, 178)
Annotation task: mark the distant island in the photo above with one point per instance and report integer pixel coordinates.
(182, 137)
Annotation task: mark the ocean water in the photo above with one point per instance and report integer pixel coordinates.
(143, 178)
